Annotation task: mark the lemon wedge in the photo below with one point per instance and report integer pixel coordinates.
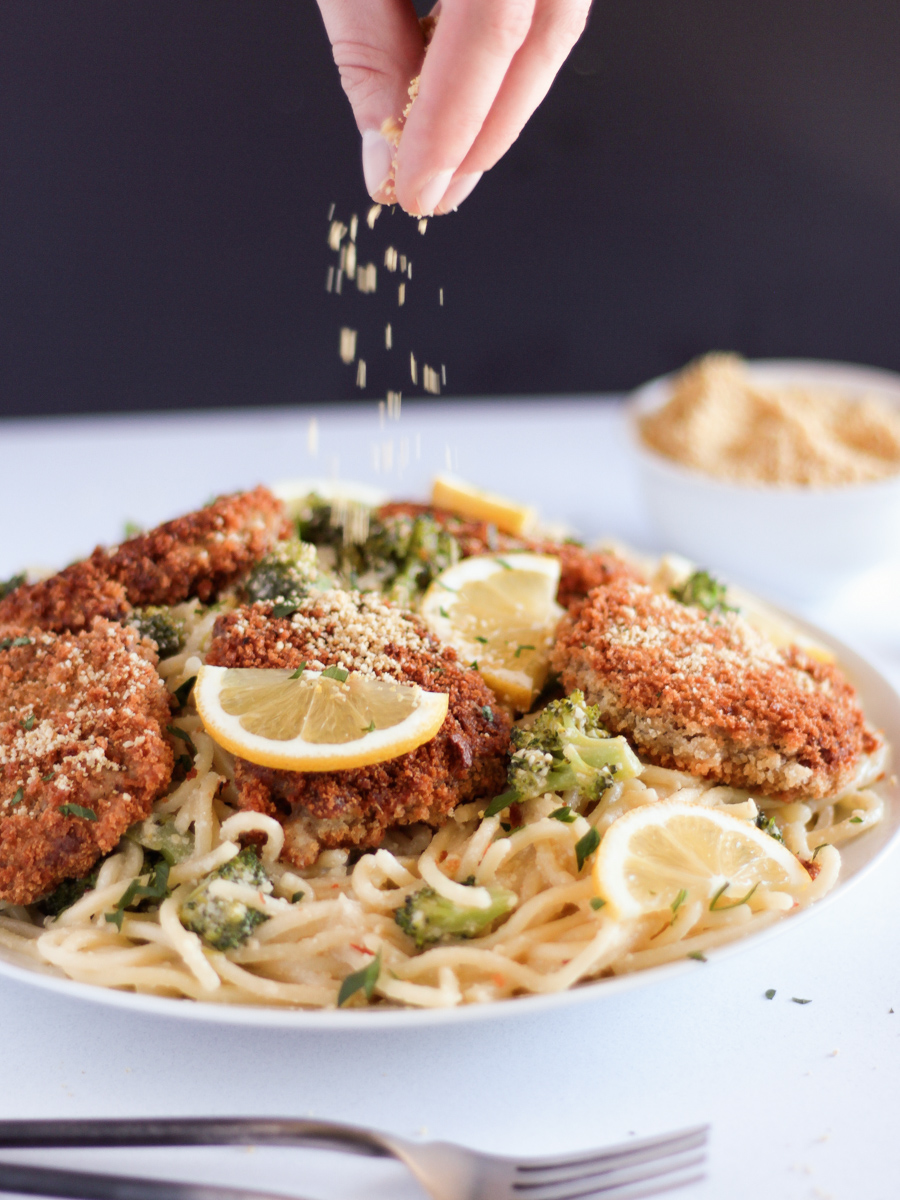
(652, 853)
(501, 614)
(315, 720)
(466, 500)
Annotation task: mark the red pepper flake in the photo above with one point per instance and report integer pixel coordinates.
(499, 980)
(362, 949)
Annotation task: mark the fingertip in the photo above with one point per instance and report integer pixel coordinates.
(460, 189)
(377, 162)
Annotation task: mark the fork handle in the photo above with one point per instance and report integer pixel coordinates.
(191, 1131)
(83, 1185)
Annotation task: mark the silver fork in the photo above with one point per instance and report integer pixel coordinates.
(446, 1171)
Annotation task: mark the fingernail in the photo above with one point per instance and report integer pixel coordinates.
(377, 159)
(430, 195)
(459, 189)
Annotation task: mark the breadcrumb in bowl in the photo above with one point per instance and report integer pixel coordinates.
(801, 542)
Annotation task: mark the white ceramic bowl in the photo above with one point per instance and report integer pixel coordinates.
(792, 541)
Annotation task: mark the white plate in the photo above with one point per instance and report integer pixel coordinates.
(882, 707)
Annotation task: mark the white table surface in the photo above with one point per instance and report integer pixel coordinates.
(803, 1099)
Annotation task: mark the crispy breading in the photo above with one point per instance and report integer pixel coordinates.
(198, 554)
(82, 725)
(466, 760)
(69, 600)
(581, 569)
(706, 693)
(195, 555)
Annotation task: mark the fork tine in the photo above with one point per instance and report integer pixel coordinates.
(622, 1184)
(626, 1154)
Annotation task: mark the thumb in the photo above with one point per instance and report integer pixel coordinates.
(378, 47)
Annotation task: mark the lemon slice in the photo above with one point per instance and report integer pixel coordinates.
(466, 500)
(316, 721)
(501, 613)
(648, 855)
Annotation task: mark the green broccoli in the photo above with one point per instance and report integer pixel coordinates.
(223, 923)
(284, 575)
(567, 747)
(415, 550)
(161, 626)
(702, 590)
(163, 838)
(428, 917)
(10, 585)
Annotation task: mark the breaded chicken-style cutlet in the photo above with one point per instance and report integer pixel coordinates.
(581, 570)
(466, 760)
(82, 752)
(706, 693)
(195, 555)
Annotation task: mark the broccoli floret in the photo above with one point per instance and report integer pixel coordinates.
(415, 551)
(428, 917)
(161, 626)
(767, 825)
(702, 590)
(567, 747)
(65, 894)
(163, 838)
(225, 923)
(10, 585)
(284, 575)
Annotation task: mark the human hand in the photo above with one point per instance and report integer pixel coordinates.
(489, 65)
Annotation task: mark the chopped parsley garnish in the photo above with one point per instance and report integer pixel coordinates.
(800, 1000)
(586, 846)
(769, 993)
(18, 797)
(821, 846)
(297, 897)
(7, 642)
(597, 902)
(10, 585)
(702, 590)
(370, 728)
(296, 674)
(156, 889)
(337, 673)
(181, 693)
(698, 955)
(714, 905)
(474, 664)
(78, 810)
(856, 820)
(47, 778)
(363, 980)
(285, 610)
(503, 563)
(519, 650)
(444, 613)
(185, 762)
(487, 712)
(679, 900)
(29, 721)
(483, 640)
(132, 529)
(445, 587)
(767, 825)
(564, 814)
(181, 733)
(498, 804)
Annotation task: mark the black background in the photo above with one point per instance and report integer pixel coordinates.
(704, 174)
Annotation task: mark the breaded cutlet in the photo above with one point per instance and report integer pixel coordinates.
(195, 555)
(82, 751)
(706, 693)
(466, 760)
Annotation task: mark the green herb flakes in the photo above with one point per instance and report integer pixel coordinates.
(487, 712)
(800, 1000)
(769, 993)
(586, 846)
(698, 955)
(18, 797)
(564, 814)
(78, 810)
(498, 804)
(182, 693)
(597, 902)
(296, 674)
(363, 980)
(339, 674)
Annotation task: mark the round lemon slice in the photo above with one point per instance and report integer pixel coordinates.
(315, 720)
(652, 853)
(466, 500)
(501, 614)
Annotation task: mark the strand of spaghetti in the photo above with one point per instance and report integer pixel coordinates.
(538, 908)
(198, 811)
(476, 848)
(643, 958)
(683, 920)
(309, 947)
(187, 944)
(269, 989)
(243, 893)
(523, 943)
(254, 822)
(368, 891)
(546, 860)
(18, 927)
(418, 994)
(194, 868)
(91, 904)
(493, 859)
(300, 916)
(828, 861)
(465, 897)
(126, 863)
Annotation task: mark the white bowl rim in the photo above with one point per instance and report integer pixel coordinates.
(854, 378)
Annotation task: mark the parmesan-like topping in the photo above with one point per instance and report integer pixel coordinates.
(722, 423)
